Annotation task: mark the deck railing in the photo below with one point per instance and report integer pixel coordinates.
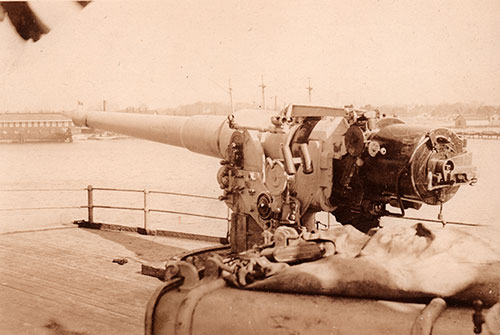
(41, 190)
(145, 208)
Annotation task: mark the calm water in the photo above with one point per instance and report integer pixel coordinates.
(132, 163)
(127, 163)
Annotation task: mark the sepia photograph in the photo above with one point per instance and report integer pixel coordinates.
(250, 167)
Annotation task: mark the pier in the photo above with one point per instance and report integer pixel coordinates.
(484, 134)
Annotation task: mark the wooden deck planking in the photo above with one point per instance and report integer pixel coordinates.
(64, 281)
(40, 306)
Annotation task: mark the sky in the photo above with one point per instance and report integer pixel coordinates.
(163, 54)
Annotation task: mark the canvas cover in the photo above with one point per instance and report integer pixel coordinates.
(400, 262)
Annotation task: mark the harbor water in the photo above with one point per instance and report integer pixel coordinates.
(137, 164)
(124, 164)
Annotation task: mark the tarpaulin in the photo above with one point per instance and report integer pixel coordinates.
(402, 263)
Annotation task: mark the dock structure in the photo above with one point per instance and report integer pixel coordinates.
(35, 127)
(484, 134)
(65, 280)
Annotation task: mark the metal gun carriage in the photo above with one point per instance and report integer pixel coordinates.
(278, 169)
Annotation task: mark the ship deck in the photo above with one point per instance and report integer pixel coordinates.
(63, 280)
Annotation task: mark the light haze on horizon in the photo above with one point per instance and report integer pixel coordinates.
(164, 54)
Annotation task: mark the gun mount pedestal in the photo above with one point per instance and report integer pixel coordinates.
(245, 233)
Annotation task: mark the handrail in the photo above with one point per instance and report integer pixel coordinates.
(117, 207)
(39, 208)
(185, 195)
(158, 211)
(145, 208)
(90, 206)
(189, 214)
(42, 189)
(116, 189)
(155, 192)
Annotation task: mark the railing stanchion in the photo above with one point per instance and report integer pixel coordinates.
(228, 221)
(90, 203)
(146, 208)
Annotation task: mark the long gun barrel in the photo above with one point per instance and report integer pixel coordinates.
(203, 134)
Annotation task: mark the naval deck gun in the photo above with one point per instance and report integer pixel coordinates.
(278, 169)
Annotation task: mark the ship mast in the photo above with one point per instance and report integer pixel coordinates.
(263, 96)
(309, 88)
(230, 91)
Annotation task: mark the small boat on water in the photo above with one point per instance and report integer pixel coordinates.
(105, 136)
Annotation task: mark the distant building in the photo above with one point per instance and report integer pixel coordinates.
(35, 127)
(460, 121)
(494, 120)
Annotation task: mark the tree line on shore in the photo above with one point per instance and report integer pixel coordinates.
(444, 110)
